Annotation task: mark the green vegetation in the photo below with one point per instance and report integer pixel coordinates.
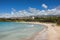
(38, 19)
(58, 21)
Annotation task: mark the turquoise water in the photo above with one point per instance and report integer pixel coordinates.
(18, 31)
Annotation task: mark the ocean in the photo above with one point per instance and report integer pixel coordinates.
(18, 31)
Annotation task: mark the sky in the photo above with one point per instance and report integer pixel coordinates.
(28, 7)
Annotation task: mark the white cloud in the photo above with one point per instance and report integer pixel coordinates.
(34, 11)
(44, 5)
(31, 11)
(13, 11)
(6, 15)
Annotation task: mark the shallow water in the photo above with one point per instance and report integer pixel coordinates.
(18, 31)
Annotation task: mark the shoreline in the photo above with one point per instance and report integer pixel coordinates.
(37, 34)
(51, 33)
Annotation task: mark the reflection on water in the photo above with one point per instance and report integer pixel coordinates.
(17, 31)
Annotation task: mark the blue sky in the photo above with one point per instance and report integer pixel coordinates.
(20, 8)
(7, 5)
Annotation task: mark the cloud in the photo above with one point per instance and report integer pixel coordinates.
(58, 7)
(44, 5)
(6, 15)
(13, 11)
(31, 11)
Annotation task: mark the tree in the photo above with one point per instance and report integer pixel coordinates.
(58, 21)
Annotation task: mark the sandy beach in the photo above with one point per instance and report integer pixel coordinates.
(52, 32)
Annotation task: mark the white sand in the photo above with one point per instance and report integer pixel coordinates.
(52, 32)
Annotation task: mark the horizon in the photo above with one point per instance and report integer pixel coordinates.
(19, 8)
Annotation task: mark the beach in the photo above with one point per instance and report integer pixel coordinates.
(35, 31)
(52, 32)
